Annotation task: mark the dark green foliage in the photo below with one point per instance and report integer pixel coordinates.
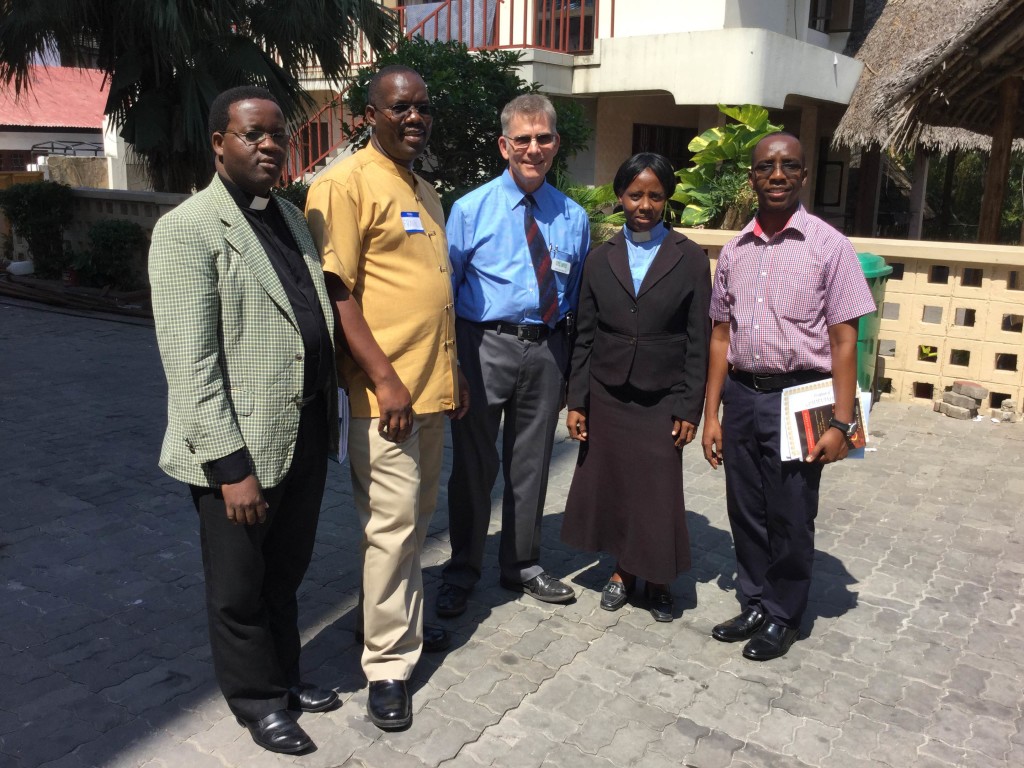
(468, 91)
(295, 193)
(38, 212)
(116, 255)
(961, 225)
(168, 60)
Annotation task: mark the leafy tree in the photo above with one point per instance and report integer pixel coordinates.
(166, 60)
(468, 91)
(38, 211)
(715, 189)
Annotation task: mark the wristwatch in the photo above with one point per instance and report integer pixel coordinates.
(848, 430)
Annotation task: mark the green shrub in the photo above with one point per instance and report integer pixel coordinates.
(38, 211)
(114, 258)
(295, 193)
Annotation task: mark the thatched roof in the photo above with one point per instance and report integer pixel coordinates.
(931, 74)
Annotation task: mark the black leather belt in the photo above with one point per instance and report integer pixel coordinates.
(772, 382)
(528, 332)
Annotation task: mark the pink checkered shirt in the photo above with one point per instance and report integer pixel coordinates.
(780, 294)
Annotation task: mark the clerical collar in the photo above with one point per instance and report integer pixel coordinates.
(243, 199)
(642, 237)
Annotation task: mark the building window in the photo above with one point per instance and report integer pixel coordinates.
(972, 277)
(668, 140)
(15, 159)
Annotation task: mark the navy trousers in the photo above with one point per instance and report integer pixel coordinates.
(772, 505)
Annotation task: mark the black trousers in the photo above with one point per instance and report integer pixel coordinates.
(772, 505)
(253, 573)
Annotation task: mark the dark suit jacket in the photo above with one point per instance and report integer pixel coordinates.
(656, 340)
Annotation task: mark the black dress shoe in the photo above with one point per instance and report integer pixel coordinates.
(277, 732)
(307, 697)
(659, 603)
(545, 588)
(614, 595)
(435, 638)
(771, 642)
(451, 600)
(389, 705)
(740, 627)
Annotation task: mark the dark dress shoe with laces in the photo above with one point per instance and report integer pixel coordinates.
(545, 588)
(307, 697)
(435, 638)
(389, 705)
(277, 732)
(451, 601)
(659, 603)
(741, 627)
(771, 642)
(614, 595)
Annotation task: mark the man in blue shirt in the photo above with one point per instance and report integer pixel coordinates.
(517, 246)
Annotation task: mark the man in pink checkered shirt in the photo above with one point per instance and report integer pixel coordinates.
(787, 296)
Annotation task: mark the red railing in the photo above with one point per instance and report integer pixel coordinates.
(562, 26)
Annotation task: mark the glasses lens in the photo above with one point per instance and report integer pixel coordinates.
(400, 109)
(258, 137)
(542, 139)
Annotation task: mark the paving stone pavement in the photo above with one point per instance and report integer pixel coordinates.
(912, 651)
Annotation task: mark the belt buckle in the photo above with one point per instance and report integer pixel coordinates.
(527, 332)
(757, 382)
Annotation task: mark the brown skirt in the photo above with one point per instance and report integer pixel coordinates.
(626, 496)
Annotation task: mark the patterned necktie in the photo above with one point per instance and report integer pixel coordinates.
(541, 257)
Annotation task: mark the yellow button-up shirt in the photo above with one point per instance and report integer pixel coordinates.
(380, 228)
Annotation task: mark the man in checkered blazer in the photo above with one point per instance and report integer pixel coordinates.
(245, 330)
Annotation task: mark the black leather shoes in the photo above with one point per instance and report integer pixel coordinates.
(545, 588)
(435, 638)
(741, 627)
(389, 705)
(277, 732)
(451, 601)
(614, 595)
(771, 642)
(659, 602)
(307, 697)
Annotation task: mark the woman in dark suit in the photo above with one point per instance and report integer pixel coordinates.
(636, 391)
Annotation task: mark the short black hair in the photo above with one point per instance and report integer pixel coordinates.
(221, 106)
(634, 166)
(373, 89)
(776, 135)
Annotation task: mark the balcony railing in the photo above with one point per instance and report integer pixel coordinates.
(561, 26)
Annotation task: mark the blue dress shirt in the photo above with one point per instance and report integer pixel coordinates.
(492, 272)
(641, 254)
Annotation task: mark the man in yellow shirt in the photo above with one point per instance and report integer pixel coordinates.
(380, 230)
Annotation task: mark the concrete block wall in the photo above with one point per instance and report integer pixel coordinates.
(951, 311)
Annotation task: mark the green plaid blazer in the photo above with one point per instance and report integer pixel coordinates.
(228, 339)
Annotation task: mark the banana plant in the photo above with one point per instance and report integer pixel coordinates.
(717, 179)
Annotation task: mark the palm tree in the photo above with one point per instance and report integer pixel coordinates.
(165, 61)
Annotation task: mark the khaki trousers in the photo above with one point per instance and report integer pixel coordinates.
(395, 490)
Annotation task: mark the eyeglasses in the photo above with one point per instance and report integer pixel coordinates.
(791, 169)
(524, 142)
(255, 138)
(423, 108)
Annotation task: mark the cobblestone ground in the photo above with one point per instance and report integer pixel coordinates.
(911, 652)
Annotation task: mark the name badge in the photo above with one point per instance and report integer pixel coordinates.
(411, 221)
(561, 266)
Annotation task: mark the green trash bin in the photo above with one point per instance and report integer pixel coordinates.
(877, 272)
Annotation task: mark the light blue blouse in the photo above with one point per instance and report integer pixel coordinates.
(641, 251)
